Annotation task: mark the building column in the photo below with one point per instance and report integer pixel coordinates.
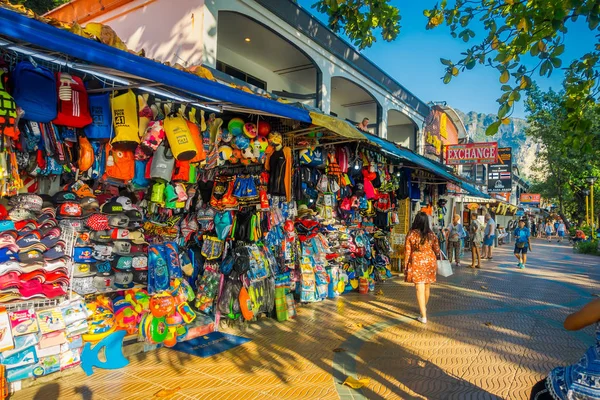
(209, 33)
(382, 121)
(324, 90)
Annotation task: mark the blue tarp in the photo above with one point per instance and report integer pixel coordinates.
(423, 162)
(22, 28)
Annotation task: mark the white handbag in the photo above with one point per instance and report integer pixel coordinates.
(444, 268)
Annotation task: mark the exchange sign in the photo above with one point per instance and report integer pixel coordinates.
(472, 153)
(530, 199)
(500, 173)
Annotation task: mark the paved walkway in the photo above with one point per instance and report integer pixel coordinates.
(492, 334)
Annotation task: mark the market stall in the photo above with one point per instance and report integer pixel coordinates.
(152, 202)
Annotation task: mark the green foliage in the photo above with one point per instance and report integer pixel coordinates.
(588, 247)
(41, 6)
(562, 167)
(360, 19)
(516, 29)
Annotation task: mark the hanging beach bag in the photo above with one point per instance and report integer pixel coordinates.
(162, 163)
(35, 92)
(125, 120)
(101, 126)
(73, 106)
(181, 171)
(212, 247)
(198, 143)
(154, 136)
(180, 138)
(139, 180)
(8, 109)
(120, 164)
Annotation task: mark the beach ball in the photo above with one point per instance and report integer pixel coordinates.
(263, 143)
(226, 136)
(250, 130)
(236, 156)
(236, 126)
(225, 153)
(264, 128)
(242, 142)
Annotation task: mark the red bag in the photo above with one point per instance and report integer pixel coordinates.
(73, 105)
(181, 172)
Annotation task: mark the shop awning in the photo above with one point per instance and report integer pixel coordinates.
(26, 31)
(336, 125)
(425, 163)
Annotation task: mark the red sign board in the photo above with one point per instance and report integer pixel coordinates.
(530, 198)
(472, 153)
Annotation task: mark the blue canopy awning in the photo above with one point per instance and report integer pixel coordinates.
(23, 29)
(425, 163)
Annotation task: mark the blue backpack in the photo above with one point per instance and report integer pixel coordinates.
(139, 180)
(101, 126)
(35, 92)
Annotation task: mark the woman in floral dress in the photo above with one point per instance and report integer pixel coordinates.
(422, 250)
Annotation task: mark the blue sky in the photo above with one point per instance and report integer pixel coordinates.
(413, 59)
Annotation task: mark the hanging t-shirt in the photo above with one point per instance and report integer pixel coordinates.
(277, 167)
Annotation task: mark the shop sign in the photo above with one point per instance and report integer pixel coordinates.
(530, 199)
(452, 188)
(473, 206)
(435, 144)
(500, 173)
(472, 153)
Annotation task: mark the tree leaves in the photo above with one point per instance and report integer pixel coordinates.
(360, 20)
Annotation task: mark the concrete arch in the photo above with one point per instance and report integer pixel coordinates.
(246, 44)
(401, 129)
(353, 102)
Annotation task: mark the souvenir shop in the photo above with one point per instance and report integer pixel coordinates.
(143, 199)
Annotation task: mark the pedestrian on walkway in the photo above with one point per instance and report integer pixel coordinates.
(561, 230)
(549, 231)
(580, 380)
(455, 233)
(489, 234)
(522, 235)
(540, 229)
(476, 239)
(421, 252)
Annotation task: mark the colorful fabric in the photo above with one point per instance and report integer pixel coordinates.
(580, 380)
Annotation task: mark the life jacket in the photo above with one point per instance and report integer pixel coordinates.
(8, 109)
(126, 121)
(35, 92)
(101, 126)
(181, 171)
(162, 164)
(120, 164)
(73, 105)
(180, 138)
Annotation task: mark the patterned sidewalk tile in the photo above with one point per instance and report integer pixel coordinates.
(492, 334)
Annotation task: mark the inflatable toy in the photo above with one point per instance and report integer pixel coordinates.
(264, 128)
(236, 126)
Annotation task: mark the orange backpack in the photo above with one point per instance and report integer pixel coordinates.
(120, 164)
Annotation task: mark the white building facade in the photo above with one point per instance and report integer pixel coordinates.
(274, 45)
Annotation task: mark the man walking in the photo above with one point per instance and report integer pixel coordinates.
(489, 234)
(455, 234)
(560, 230)
(522, 235)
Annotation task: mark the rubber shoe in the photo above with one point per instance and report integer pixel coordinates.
(522, 266)
(519, 265)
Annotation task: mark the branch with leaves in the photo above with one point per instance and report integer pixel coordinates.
(517, 30)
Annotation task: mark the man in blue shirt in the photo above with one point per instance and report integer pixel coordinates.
(521, 243)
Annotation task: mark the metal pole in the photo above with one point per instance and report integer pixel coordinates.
(587, 216)
(592, 209)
